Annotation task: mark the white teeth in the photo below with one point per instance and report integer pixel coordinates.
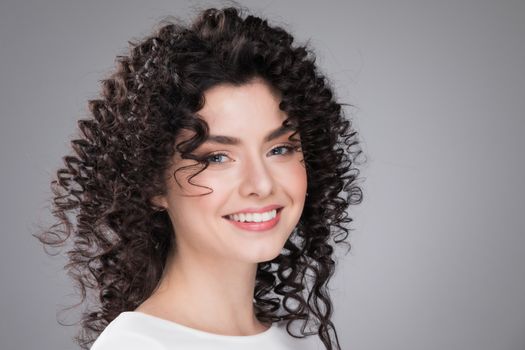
(254, 217)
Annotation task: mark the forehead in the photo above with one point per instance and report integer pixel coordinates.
(227, 105)
(241, 112)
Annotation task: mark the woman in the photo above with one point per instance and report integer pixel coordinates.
(206, 187)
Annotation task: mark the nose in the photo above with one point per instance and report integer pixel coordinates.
(257, 178)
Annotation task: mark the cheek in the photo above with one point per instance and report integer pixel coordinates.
(205, 193)
(188, 210)
(193, 181)
(293, 178)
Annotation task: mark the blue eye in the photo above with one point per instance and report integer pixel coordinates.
(215, 158)
(288, 150)
(220, 158)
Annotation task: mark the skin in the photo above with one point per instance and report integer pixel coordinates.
(209, 279)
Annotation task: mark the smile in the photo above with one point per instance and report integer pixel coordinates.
(253, 217)
(255, 221)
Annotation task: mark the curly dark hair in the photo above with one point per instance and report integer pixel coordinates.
(118, 242)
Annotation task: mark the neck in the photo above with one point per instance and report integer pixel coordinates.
(206, 293)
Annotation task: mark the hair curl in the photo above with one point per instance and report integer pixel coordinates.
(119, 243)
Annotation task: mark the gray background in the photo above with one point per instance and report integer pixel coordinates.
(438, 253)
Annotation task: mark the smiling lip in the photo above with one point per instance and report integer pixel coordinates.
(258, 226)
(258, 210)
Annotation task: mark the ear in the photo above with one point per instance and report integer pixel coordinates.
(159, 202)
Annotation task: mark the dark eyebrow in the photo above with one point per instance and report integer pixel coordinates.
(230, 140)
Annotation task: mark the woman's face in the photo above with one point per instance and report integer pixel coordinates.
(251, 168)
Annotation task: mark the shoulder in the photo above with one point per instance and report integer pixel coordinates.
(126, 333)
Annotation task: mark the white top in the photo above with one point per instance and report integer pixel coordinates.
(133, 330)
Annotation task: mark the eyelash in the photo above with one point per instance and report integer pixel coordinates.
(290, 149)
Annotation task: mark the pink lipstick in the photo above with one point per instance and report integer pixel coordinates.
(257, 226)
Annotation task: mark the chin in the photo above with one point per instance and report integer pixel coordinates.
(266, 255)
